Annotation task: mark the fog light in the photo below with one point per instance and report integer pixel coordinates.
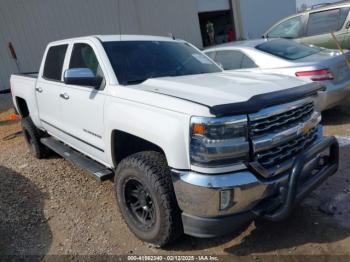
(225, 199)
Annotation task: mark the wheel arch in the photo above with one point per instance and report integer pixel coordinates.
(124, 144)
(22, 107)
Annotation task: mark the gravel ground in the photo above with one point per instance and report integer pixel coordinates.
(5, 102)
(50, 207)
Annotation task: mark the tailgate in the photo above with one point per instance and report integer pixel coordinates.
(23, 86)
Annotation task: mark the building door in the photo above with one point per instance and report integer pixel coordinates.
(216, 22)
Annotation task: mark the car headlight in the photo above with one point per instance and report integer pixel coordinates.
(219, 142)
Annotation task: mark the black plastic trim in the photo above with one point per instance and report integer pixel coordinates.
(258, 102)
(203, 227)
(77, 138)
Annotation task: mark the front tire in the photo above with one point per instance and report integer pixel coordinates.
(146, 198)
(32, 136)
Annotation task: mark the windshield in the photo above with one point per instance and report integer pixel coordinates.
(287, 49)
(136, 61)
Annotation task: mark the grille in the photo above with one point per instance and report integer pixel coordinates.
(281, 121)
(286, 151)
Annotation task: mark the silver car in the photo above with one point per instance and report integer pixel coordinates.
(283, 56)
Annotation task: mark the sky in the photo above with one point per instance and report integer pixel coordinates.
(310, 3)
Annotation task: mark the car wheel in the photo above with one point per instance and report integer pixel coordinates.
(146, 198)
(32, 136)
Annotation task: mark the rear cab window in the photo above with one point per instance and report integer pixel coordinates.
(54, 62)
(234, 60)
(326, 21)
(211, 54)
(287, 49)
(229, 60)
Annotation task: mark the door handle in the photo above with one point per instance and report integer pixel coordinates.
(39, 89)
(64, 96)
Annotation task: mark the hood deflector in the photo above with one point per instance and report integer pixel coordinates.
(259, 102)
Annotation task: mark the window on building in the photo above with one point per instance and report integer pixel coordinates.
(54, 62)
(291, 28)
(83, 56)
(326, 21)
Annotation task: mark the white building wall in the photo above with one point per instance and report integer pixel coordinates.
(259, 15)
(31, 24)
(213, 5)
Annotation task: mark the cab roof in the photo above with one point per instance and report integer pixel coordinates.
(111, 38)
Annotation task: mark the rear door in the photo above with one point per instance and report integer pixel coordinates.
(82, 106)
(321, 24)
(48, 88)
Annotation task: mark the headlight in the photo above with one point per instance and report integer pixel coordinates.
(219, 142)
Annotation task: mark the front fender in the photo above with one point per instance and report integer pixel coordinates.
(165, 128)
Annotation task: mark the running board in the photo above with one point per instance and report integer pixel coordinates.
(98, 171)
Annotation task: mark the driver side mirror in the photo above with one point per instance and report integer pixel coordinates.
(82, 77)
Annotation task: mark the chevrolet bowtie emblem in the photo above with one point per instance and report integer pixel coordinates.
(306, 128)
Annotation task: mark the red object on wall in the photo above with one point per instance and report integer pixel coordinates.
(12, 50)
(231, 36)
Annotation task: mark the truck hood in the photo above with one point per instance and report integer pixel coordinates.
(219, 88)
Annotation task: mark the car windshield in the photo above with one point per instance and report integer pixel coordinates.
(287, 49)
(136, 61)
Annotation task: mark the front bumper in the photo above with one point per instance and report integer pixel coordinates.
(198, 195)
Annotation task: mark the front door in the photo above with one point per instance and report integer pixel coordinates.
(82, 106)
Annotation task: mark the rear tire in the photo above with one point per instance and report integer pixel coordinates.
(32, 136)
(146, 198)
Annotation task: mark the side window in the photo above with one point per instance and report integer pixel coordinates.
(229, 60)
(83, 56)
(211, 55)
(54, 62)
(326, 21)
(291, 28)
(248, 63)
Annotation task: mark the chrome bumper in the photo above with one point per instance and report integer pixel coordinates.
(198, 195)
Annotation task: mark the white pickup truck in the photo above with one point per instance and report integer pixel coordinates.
(192, 149)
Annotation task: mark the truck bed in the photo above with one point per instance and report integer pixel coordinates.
(23, 87)
(28, 74)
